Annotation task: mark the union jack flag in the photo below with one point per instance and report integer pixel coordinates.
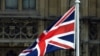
(59, 35)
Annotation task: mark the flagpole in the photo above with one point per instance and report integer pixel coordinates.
(77, 28)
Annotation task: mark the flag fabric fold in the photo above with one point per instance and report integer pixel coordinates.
(58, 36)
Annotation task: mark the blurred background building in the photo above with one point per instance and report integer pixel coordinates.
(21, 21)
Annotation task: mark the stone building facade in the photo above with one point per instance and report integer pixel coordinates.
(21, 21)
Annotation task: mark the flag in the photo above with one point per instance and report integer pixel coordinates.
(60, 35)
